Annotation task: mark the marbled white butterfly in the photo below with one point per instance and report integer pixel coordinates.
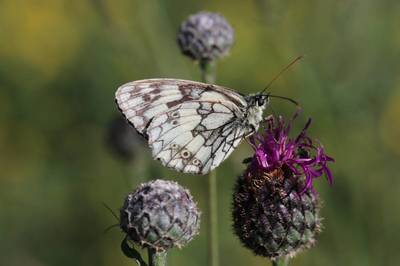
(190, 126)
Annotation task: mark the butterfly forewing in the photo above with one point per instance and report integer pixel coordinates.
(191, 127)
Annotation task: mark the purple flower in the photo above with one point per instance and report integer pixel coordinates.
(300, 156)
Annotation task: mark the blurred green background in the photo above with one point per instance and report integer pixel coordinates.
(61, 62)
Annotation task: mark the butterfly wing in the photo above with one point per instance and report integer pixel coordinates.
(195, 137)
(190, 126)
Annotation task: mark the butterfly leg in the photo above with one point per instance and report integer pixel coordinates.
(251, 131)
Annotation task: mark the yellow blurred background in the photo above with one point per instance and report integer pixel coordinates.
(61, 62)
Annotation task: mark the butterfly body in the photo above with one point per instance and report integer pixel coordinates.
(190, 126)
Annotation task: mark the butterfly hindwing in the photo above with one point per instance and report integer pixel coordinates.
(191, 127)
(194, 137)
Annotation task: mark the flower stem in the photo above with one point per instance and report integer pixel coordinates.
(213, 219)
(284, 261)
(208, 71)
(208, 74)
(157, 258)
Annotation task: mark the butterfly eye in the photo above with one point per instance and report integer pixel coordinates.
(174, 146)
(175, 114)
(185, 154)
(196, 162)
(260, 101)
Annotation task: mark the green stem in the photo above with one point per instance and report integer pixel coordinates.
(208, 73)
(284, 261)
(157, 258)
(213, 219)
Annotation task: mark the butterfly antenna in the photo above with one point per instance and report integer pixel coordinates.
(287, 99)
(281, 72)
(111, 211)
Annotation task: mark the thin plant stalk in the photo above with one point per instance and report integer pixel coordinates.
(213, 219)
(208, 71)
(284, 261)
(157, 258)
(208, 75)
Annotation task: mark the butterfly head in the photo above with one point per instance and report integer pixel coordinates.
(259, 100)
(262, 100)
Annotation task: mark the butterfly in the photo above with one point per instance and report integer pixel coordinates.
(190, 126)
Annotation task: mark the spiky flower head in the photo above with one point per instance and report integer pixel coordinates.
(275, 207)
(160, 215)
(205, 36)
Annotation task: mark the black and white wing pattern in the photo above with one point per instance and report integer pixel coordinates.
(190, 126)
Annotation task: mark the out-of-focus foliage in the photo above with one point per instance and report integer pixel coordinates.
(61, 62)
